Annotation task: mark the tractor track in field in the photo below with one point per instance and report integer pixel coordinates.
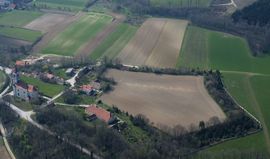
(259, 113)
(86, 49)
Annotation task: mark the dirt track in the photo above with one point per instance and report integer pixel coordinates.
(157, 43)
(53, 32)
(166, 100)
(86, 49)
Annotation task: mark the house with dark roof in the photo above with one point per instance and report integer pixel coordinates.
(93, 111)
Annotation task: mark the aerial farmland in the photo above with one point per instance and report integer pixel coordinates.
(155, 39)
(148, 94)
(132, 79)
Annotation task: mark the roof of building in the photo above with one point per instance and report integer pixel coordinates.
(25, 86)
(69, 70)
(49, 76)
(102, 114)
(31, 88)
(20, 63)
(87, 87)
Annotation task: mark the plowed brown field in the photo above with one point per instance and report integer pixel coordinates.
(157, 43)
(164, 99)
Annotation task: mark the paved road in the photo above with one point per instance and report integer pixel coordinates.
(3, 132)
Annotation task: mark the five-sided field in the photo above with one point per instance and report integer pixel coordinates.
(164, 99)
(157, 43)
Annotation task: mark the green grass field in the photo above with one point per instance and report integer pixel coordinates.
(247, 78)
(20, 33)
(181, 3)
(221, 51)
(77, 34)
(47, 89)
(252, 92)
(18, 18)
(115, 42)
(74, 5)
(193, 57)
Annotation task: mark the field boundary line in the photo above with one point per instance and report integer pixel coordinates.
(240, 106)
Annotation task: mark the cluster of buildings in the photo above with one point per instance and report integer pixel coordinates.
(21, 89)
(7, 5)
(91, 89)
(28, 61)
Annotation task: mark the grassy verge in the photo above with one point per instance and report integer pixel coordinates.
(47, 89)
(115, 42)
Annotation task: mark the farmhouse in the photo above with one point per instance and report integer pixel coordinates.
(23, 90)
(96, 112)
(21, 63)
(70, 72)
(87, 89)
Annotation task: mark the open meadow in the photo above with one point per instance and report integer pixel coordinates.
(252, 92)
(114, 43)
(164, 99)
(221, 51)
(181, 3)
(18, 18)
(73, 5)
(77, 34)
(47, 89)
(20, 33)
(156, 43)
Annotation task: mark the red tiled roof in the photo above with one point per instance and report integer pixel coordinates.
(28, 87)
(102, 114)
(31, 88)
(20, 63)
(86, 88)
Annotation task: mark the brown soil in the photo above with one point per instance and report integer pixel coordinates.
(164, 99)
(157, 43)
